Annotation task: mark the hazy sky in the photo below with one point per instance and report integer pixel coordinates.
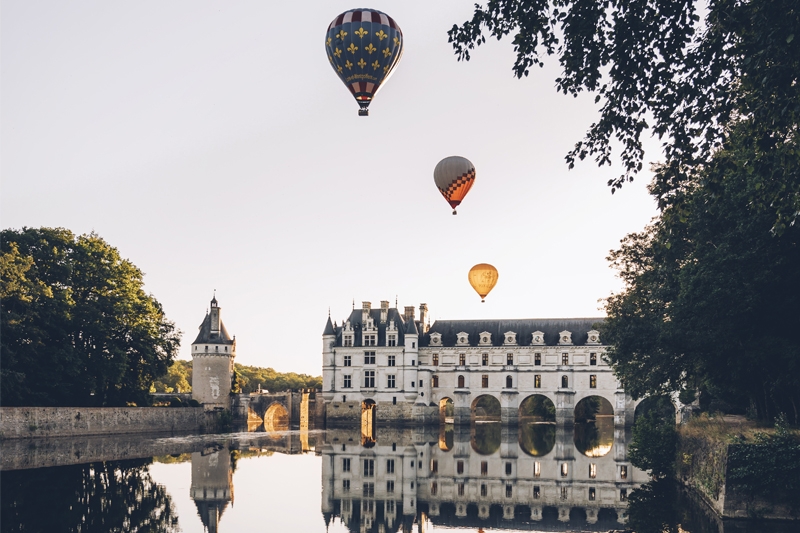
(214, 146)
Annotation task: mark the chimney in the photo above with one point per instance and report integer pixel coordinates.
(384, 311)
(423, 314)
(409, 313)
(365, 309)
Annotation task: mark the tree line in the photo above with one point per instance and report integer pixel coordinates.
(247, 379)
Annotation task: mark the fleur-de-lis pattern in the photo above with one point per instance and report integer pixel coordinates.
(368, 28)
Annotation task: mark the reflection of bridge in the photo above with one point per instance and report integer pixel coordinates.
(487, 475)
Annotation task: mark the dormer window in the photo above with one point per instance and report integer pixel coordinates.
(565, 337)
(485, 339)
(511, 337)
(436, 339)
(391, 340)
(593, 337)
(537, 337)
(370, 339)
(348, 340)
(463, 338)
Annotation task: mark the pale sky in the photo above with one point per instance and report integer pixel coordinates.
(214, 146)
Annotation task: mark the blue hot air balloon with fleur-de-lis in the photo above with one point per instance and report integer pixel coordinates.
(363, 46)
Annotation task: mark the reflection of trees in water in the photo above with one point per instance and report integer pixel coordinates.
(446, 437)
(592, 407)
(486, 407)
(98, 497)
(537, 439)
(538, 406)
(486, 437)
(595, 438)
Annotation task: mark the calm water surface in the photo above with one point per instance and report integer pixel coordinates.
(484, 477)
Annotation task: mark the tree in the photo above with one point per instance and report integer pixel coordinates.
(654, 65)
(711, 298)
(654, 444)
(177, 379)
(78, 329)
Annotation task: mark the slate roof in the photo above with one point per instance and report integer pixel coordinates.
(551, 327)
(375, 314)
(329, 328)
(206, 337)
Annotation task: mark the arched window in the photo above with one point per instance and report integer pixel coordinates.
(461, 382)
(509, 382)
(564, 382)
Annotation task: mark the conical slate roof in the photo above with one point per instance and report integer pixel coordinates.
(207, 337)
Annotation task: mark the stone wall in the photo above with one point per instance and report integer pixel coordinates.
(32, 422)
(387, 414)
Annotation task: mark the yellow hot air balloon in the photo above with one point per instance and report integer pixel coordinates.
(483, 278)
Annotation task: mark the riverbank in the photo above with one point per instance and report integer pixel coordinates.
(739, 469)
(37, 422)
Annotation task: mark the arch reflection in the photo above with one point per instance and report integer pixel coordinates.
(485, 437)
(594, 426)
(276, 419)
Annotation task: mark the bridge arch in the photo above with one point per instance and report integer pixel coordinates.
(661, 405)
(485, 407)
(537, 428)
(594, 426)
(446, 410)
(276, 418)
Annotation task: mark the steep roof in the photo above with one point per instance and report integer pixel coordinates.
(206, 337)
(551, 327)
(329, 328)
(375, 314)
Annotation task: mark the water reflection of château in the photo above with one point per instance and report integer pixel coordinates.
(538, 476)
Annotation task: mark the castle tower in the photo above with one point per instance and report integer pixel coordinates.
(212, 485)
(213, 352)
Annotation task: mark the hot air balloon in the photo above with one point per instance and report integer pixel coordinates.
(363, 46)
(483, 278)
(454, 177)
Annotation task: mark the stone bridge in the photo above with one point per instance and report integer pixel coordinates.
(277, 411)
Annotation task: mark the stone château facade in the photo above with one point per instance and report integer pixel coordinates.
(407, 369)
(213, 352)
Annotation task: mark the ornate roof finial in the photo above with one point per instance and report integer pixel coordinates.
(329, 311)
(354, 304)
(395, 301)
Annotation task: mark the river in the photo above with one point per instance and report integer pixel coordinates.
(538, 477)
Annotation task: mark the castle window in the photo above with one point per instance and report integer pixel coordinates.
(390, 381)
(369, 358)
(509, 382)
(435, 359)
(413, 362)
(206, 348)
(370, 340)
(593, 359)
(459, 467)
(592, 494)
(485, 381)
(348, 383)
(413, 344)
(390, 503)
(592, 470)
(462, 359)
(563, 493)
(537, 381)
(348, 360)
(369, 468)
(390, 360)
(537, 469)
(460, 489)
(368, 490)
(508, 469)
(537, 492)
(460, 382)
(434, 487)
(216, 348)
(390, 486)
(435, 381)
(623, 495)
(509, 491)
(485, 359)
(623, 472)
(420, 383)
(564, 469)
(537, 359)
(510, 359)
(434, 466)
(484, 468)
(348, 340)
(484, 490)
(390, 466)
(593, 381)
(226, 348)
(564, 382)
(369, 379)
(346, 464)
(392, 341)
(346, 485)
(564, 358)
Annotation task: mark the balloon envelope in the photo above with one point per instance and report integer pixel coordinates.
(363, 47)
(483, 278)
(454, 177)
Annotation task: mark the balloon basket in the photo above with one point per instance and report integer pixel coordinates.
(454, 212)
(363, 112)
